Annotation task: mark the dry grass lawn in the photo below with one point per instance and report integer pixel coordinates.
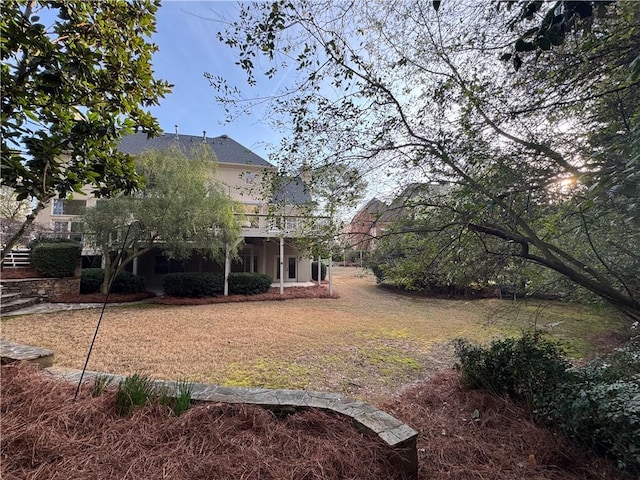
(368, 343)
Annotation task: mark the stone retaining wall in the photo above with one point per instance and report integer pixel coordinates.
(44, 288)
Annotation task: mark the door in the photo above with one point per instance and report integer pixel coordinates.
(290, 268)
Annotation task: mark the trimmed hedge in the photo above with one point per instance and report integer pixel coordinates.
(314, 271)
(193, 284)
(56, 259)
(125, 282)
(249, 283)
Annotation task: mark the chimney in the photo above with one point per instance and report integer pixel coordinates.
(176, 125)
(204, 136)
(305, 173)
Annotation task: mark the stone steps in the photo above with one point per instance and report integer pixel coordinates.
(10, 302)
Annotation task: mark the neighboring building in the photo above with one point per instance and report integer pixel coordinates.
(266, 236)
(375, 218)
(367, 224)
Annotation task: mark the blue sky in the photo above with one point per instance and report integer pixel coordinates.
(188, 47)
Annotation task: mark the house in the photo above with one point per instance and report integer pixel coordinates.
(376, 216)
(366, 225)
(272, 221)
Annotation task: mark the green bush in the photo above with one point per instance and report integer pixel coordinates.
(91, 280)
(191, 284)
(125, 282)
(597, 405)
(56, 259)
(249, 283)
(519, 367)
(600, 408)
(314, 271)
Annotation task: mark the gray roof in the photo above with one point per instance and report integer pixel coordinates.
(226, 149)
(292, 192)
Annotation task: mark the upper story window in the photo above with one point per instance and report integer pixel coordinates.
(249, 178)
(68, 207)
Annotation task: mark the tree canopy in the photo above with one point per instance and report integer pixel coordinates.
(70, 90)
(182, 209)
(544, 160)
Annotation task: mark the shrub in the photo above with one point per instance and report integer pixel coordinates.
(91, 280)
(56, 259)
(125, 282)
(314, 271)
(249, 283)
(600, 408)
(191, 284)
(519, 367)
(597, 405)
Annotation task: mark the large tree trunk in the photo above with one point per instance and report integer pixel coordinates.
(25, 225)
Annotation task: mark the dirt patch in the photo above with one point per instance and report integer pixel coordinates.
(462, 435)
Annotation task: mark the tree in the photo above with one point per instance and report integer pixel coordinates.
(181, 210)
(422, 92)
(69, 93)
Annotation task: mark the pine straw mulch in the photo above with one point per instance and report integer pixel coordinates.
(45, 435)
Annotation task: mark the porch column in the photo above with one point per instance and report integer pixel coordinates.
(330, 276)
(227, 269)
(319, 271)
(281, 265)
(263, 259)
(135, 266)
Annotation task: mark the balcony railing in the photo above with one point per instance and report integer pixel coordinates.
(289, 226)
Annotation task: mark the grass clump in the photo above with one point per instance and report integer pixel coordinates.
(139, 390)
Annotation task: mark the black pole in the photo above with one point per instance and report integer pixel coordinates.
(118, 259)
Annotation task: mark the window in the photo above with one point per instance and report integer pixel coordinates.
(249, 178)
(58, 207)
(61, 229)
(68, 207)
(251, 214)
(244, 264)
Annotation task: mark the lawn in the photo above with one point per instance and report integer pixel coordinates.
(368, 343)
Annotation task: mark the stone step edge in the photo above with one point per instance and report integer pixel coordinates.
(397, 435)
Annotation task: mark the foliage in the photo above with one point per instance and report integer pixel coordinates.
(91, 279)
(545, 161)
(56, 259)
(134, 391)
(249, 283)
(70, 91)
(139, 390)
(193, 284)
(127, 282)
(521, 368)
(314, 271)
(100, 384)
(181, 210)
(597, 405)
